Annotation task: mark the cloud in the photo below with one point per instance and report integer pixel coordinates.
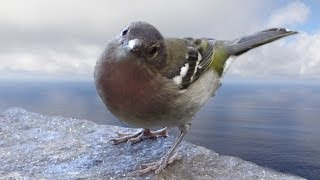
(292, 14)
(106, 17)
(298, 57)
(80, 60)
(66, 37)
(308, 49)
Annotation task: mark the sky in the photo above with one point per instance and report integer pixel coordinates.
(45, 38)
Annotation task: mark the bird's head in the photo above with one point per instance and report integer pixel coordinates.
(144, 42)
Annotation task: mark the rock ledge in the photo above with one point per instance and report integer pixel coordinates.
(35, 146)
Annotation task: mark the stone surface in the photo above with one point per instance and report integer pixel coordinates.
(35, 146)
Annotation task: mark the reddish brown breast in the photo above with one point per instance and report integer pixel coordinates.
(131, 91)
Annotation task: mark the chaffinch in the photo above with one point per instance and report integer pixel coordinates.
(150, 81)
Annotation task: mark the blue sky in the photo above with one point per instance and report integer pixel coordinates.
(43, 38)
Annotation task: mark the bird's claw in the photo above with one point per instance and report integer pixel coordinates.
(122, 134)
(156, 166)
(129, 138)
(138, 136)
(135, 139)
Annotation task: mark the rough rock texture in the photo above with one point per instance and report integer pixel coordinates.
(35, 146)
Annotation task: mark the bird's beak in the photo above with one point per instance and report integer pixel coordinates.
(135, 45)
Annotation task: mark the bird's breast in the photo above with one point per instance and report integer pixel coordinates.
(131, 92)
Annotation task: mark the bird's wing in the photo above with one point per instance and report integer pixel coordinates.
(200, 56)
(196, 58)
(189, 58)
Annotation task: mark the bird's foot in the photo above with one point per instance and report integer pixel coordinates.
(156, 166)
(139, 136)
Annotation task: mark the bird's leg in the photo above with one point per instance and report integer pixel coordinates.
(139, 136)
(168, 158)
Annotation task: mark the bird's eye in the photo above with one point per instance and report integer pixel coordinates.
(124, 32)
(153, 51)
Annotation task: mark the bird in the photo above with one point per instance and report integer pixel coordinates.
(150, 81)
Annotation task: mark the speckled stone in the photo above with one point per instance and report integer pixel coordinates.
(35, 146)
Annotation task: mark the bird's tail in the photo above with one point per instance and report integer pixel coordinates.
(244, 44)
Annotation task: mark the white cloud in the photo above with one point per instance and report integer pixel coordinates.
(106, 17)
(66, 37)
(298, 57)
(308, 47)
(292, 14)
(51, 61)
